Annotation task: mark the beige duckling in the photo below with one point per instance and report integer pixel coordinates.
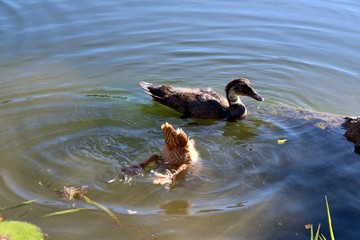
(177, 155)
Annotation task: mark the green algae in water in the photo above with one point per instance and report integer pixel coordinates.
(14, 230)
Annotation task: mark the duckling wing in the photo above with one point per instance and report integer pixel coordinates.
(211, 95)
(208, 105)
(194, 103)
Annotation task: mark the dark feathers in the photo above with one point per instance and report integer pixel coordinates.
(197, 103)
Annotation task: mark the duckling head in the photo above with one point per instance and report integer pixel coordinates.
(240, 87)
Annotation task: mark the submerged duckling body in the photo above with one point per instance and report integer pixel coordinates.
(206, 104)
(177, 155)
(178, 148)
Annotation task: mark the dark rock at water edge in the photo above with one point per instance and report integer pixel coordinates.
(352, 133)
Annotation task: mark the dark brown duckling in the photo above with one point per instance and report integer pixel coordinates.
(206, 104)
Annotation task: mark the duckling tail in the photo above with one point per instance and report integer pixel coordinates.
(157, 92)
(146, 86)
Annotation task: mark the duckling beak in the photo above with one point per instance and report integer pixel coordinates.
(256, 96)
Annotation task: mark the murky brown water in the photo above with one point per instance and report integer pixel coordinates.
(72, 112)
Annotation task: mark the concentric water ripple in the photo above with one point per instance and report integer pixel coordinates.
(85, 136)
(82, 142)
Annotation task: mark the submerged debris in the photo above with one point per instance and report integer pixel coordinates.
(72, 193)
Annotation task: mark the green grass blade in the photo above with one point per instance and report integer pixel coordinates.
(311, 232)
(322, 237)
(317, 232)
(64, 212)
(329, 219)
(102, 207)
(19, 205)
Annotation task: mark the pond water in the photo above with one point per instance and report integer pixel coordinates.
(72, 113)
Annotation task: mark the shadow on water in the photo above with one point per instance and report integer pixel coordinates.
(242, 131)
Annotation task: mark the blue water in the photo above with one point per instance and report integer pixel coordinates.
(72, 112)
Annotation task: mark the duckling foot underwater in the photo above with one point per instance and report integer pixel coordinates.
(177, 155)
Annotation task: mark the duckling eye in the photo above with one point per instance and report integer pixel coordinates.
(237, 89)
(245, 90)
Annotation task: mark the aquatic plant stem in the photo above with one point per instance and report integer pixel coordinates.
(317, 232)
(116, 219)
(88, 200)
(329, 219)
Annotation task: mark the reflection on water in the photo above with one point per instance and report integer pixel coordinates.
(176, 207)
(241, 131)
(72, 113)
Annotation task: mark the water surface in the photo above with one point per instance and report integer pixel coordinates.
(72, 113)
